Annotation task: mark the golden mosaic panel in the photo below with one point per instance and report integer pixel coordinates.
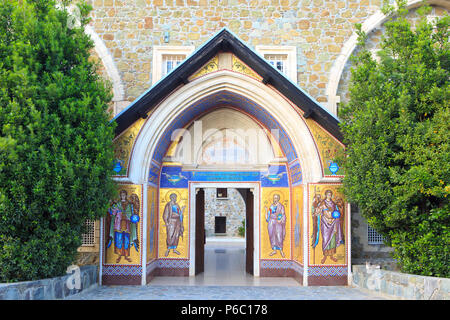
(275, 224)
(328, 147)
(327, 225)
(297, 221)
(211, 66)
(123, 146)
(241, 67)
(173, 230)
(152, 223)
(123, 226)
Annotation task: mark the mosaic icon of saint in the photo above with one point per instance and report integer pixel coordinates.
(327, 217)
(123, 227)
(276, 225)
(173, 218)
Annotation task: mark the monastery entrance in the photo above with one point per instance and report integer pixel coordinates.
(231, 154)
(225, 118)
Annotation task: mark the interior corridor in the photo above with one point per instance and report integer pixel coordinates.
(224, 266)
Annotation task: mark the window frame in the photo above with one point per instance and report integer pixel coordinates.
(289, 51)
(373, 237)
(160, 51)
(225, 197)
(90, 234)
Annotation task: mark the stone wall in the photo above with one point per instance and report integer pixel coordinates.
(49, 289)
(318, 28)
(362, 251)
(233, 208)
(400, 285)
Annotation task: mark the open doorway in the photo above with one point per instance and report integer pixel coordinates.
(224, 229)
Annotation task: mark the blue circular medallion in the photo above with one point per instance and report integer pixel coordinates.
(336, 214)
(135, 218)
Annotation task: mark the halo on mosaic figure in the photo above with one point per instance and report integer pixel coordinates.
(280, 195)
(170, 192)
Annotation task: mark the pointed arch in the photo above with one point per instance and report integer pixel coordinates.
(155, 129)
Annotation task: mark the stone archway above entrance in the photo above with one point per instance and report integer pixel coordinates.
(205, 93)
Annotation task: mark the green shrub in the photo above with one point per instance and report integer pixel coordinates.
(241, 229)
(397, 129)
(55, 139)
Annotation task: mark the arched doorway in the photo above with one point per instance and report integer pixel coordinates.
(235, 149)
(160, 157)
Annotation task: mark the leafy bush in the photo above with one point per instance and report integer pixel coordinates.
(241, 229)
(397, 128)
(55, 139)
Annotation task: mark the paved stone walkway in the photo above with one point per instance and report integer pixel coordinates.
(224, 278)
(158, 292)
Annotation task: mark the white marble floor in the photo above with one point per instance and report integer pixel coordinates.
(224, 266)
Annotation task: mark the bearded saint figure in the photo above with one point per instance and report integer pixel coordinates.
(173, 218)
(276, 225)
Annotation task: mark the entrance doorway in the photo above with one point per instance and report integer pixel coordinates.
(222, 252)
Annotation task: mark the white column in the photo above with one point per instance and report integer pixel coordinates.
(144, 234)
(101, 239)
(349, 243)
(256, 229)
(305, 234)
(192, 196)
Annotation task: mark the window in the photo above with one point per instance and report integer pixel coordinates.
(167, 58)
(222, 193)
(220, 225)
(374, 237)
(282, 58)
(88, 238)
(279, 61)
(170, 62)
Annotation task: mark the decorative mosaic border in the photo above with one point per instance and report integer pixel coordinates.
(275, 264)
(324, 271)
(153, 174)
(282, 264)
(296, 173)
(141, 224)
(122, 270)
(347, 228)
(173, 263)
